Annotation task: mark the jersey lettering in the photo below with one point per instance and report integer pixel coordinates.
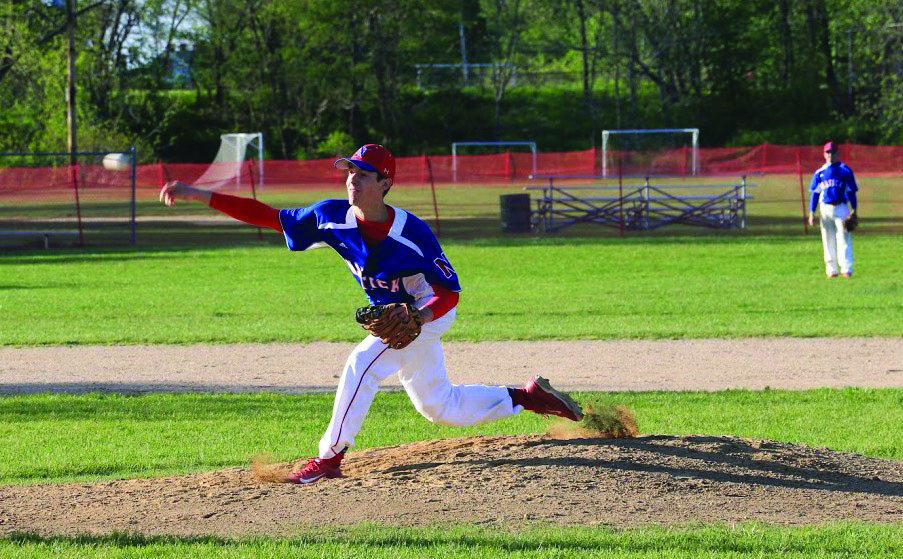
(387, 275)
(442, 263)
(829, 183)
(369, 282)
(355, 268)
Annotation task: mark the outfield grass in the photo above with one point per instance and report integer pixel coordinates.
(61, 437)
(540, 289)
(841, 540)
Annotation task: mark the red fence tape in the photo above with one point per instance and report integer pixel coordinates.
(495, 169)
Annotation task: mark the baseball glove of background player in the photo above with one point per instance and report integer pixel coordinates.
(396, 324)
(851, 223)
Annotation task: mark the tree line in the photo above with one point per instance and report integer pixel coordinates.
(319, 77)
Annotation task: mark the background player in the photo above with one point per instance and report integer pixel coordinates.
(395, 258)
(833, 186)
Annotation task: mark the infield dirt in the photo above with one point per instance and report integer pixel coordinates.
(495, 480)
(491, 480)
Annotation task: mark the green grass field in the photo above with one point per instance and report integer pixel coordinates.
(192, 282)
(62, 437)
(527, 290)
(841, 540)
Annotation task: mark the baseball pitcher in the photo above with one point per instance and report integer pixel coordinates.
(413, 291)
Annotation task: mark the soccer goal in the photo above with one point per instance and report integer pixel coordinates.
(455, 145)
(652, 150)
(226, 169)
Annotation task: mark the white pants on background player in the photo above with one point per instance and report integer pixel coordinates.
(421, 370)
(836, 240)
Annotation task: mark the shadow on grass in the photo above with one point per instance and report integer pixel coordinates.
(134, 389)
(175, 235)
(747, 539)
(115, 539)
(158, 406)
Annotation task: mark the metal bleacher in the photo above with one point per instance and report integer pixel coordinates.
(645, 207)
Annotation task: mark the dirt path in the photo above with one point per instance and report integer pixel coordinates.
(577, 365)
(496, 480)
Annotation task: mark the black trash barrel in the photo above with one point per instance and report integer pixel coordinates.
(515, 213)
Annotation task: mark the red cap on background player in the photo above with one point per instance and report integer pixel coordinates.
(371, 157)
(831, 146)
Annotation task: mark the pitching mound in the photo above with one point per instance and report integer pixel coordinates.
(505, 480)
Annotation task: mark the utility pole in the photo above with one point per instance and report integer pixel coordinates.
(71, 123)
(72, 135)
(463, 47)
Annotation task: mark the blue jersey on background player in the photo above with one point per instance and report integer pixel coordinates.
(833, 184)
(833, 187)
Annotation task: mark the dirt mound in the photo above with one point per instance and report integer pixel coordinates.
(505, 480)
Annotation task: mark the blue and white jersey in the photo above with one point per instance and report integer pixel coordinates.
(400, 269)
(834, 185)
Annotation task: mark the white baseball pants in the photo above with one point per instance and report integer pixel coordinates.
(421, 369)
(835, 239)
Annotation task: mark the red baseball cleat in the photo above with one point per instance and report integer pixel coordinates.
(545, 400)
(315, 469)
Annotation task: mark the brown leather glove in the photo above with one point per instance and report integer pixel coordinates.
(396, 324)
(851, 223)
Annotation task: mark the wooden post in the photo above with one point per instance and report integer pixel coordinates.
(620, 196)
(683, 161)
(134, 179)
(799, 170)
(73, 177)
(71, 120)
(508, 165)
(743, 197)
(423, 172)
(429, 168)
(253, 192)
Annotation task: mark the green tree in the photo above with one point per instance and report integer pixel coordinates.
(506, 22)
(874, 33)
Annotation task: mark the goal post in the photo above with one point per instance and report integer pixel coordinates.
(694, 143)
(456, 145)
(226, 167)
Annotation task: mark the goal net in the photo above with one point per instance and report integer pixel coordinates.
(229, 168)
(655, 151)
(46, 200)
(465, 167)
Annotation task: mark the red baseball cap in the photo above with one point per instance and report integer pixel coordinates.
(371, 157)
(830, 146)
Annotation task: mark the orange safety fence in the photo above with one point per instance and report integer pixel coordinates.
(489, 169)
